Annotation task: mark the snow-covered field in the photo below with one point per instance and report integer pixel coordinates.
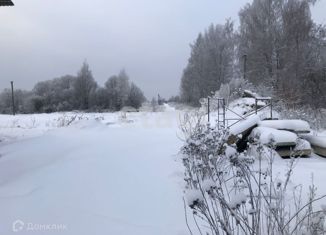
(109, 174)
(102, 174)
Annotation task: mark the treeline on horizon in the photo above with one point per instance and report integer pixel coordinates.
(79, 92)
(278, 49)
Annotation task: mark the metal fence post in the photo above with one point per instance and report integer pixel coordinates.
(224, 113)
(256, 104)
(208, 108)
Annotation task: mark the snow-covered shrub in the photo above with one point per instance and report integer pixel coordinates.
(32, 122)
(191, 122)
(123, 118)
(15, 123)
(235, 193)
(67, 120)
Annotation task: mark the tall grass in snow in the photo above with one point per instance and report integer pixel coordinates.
(230, 193)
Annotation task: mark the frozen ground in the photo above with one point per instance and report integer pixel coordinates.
(103, 174)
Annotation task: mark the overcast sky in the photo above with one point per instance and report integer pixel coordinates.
(44, 39)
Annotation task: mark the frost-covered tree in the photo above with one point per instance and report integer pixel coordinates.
(175, 99)
(68, 93)
(21, 100)
(123, 88)
(56, 94)
(154, 104)
(211, 63)
(84, 86)
(259, 38)
(118, 88)
(121, 92)
(136, 96)
(283, 49)
(101, 99)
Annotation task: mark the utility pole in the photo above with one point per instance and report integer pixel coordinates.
(12, 98)
(244, 67)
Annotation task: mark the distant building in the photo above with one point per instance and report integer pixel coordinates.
(6, 3)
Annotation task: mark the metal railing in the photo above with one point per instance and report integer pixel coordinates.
(223, 120)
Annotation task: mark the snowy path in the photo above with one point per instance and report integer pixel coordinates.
(94, 179)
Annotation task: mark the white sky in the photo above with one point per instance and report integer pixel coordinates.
(44, 39)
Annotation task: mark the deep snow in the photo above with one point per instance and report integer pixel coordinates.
(281, 138)
(105, 174)
(94, 177)
(298, 126)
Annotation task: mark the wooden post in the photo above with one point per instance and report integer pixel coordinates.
(12, 98)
